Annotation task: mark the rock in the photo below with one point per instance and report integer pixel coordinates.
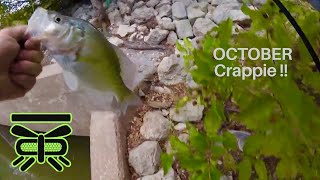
(180, 126)
(142, 14)
(224, 177)
(155, 126)
(202, 26)
(163, 2)
(218, 2)
(206, 1)
(127, 20)
(165, 112)
(141, 93)
(161, 90)
(112, 7)
(124, 8)
(165, 10)
(241, 137)
(153, 3)
(225, 11)
(190, 82)
(156, 36)
(172, 38)
(115, 17)
(255, 2)
(195, 12)
(203, 6)
(124, 30)
(184, 137)
(210, 12)
(236, 29)
(84, 12)
(145, 159)
(171, 175)
(179, 11)
(186, 3)
(138, 5)
(142, 28)
(171, 70)
(116, 41)
(183, 28)
(133, 36)
(159, 105)
(188, 113)
(167, 24)
(168, 147)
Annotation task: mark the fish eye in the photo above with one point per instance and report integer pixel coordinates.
(57, 19)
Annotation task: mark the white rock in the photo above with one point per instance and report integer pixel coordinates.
(184, 137)
(142, 28)
(172, 38)
(163, 2)
(224, 177)
(161, 90)
(179, 11)
(153, 3)
(115, 17)
(142, 14)
(210, 12)
(202, 26)
(183, 28)
(145, 159)
(188, 113)
(200, 5)
(171, 175)
(171, 70)
(133, 36)
(156, 36)
(180, 126)
(225, 11)
(116, 41)
(167, 24)
(124, 30)
(165, 10)
(155, 126)
(127, 20)
(195, 12)
(191, 83)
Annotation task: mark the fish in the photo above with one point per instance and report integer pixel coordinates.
(86, 56)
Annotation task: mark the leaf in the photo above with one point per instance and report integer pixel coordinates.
(261, 169)
(166, 162)
(244, 169)
(214, 119)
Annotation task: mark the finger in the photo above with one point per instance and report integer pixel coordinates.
(23, 80)
(33, 44)
(30, 55)
(26, 67)
(17, 32)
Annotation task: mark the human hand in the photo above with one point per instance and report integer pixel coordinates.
(20, 62)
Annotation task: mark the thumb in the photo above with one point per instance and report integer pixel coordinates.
(17, 32)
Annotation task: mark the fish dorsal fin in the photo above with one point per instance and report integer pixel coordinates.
(71, 80)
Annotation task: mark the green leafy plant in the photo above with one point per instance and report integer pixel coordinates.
(282, 113)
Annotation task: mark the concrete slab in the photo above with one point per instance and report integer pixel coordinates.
(107, 147)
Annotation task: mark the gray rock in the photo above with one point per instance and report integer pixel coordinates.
(165, 10)
(155, 126)
(130, 3)
(124, 8)
(184, 137)
(145, 159)
(171, 175)
(179, 11)
(218, 2)
(190, 82)
(156, 36)
(202, 26)
(172, 38)
(206, 1)
(171, 70)
(127, 20)
(241, 137)
(142, 14)
(153, 3)
(255, 2)
(225, 11)
(159, 105)
(200, 5)
(124, 30)
(165, 112)
(138, 5)
(224, 177)
(183, 28)
(180, 126)
(167, 24)
(163, 2)
(195, 12)
(188, 113)
(84, 12)
(115, 17)
(185, 2)
(161, 90)
(210, 12)
(116, 41)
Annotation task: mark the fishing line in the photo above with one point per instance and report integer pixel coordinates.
(300, 32)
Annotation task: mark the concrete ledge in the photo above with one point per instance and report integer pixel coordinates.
(107, 147)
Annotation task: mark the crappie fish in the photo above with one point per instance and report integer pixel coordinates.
(85, 55)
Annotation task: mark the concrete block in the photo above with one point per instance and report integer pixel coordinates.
(107, 147)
